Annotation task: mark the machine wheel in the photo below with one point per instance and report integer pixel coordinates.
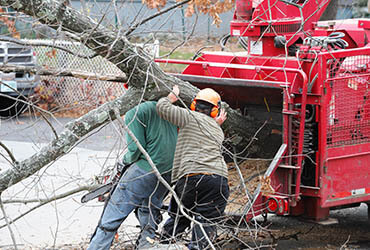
(11, 107)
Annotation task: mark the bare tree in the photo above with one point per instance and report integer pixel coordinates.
(145, 79)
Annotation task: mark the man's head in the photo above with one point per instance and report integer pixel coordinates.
(208, 102)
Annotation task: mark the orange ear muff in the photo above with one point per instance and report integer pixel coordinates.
(193, 105)
(215, 110)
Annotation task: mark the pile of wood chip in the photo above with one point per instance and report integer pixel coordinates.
(252, 172)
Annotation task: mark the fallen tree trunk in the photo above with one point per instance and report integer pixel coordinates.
(146, 81)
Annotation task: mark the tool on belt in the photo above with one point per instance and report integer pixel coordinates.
(108, 187)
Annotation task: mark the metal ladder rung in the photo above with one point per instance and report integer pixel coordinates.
(290, 112)
(288, 166)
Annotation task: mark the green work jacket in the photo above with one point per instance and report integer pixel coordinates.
(157, 136)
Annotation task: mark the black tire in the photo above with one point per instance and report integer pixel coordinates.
(12, 106)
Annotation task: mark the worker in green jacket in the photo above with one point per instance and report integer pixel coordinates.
(139, 188)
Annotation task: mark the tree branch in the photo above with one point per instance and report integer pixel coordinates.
(7, 223)
(44, 44)
(8, 151)
(59, 72)
(132, 28)
(43, 202)
(70, 136)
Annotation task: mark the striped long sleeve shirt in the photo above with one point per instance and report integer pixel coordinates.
(198, 148)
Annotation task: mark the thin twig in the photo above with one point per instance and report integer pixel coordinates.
(60, 196)
(9, 152)
(344, 246)
(8, 224)
(132, 29)
(50, 125)
(43, 202)
(184, 41)
(20, 97)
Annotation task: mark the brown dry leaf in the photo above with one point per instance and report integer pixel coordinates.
(217, 20)
(210, 7)
(189, 10)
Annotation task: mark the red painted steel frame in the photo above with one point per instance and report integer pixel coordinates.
(271, 18)
(345, 166)
(324, 80)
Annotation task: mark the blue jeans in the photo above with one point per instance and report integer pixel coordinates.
(136, 189)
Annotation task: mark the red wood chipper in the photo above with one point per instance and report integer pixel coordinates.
(315, 76)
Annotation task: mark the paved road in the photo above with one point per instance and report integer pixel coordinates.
(35, 129)
(67, 219)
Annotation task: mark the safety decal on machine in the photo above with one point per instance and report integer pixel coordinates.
(358, 191)
(256, 46)
(236, 32)
(354, 192)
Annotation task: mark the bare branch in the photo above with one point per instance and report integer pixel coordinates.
(59, 72)
(132, 28)
(44, 44)
(145, 79)
(43, 202)
(57, 197)
(48, 122)
(8, 151)
(73, 132)
(8, 224)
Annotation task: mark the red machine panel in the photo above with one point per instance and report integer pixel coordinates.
(310, 80)
(346, 166)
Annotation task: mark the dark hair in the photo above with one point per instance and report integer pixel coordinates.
(204, 107)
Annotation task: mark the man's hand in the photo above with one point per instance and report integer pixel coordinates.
(221, 117)
(174, 94)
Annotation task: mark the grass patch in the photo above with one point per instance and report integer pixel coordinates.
(178, 54)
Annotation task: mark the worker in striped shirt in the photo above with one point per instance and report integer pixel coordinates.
(199, 170)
